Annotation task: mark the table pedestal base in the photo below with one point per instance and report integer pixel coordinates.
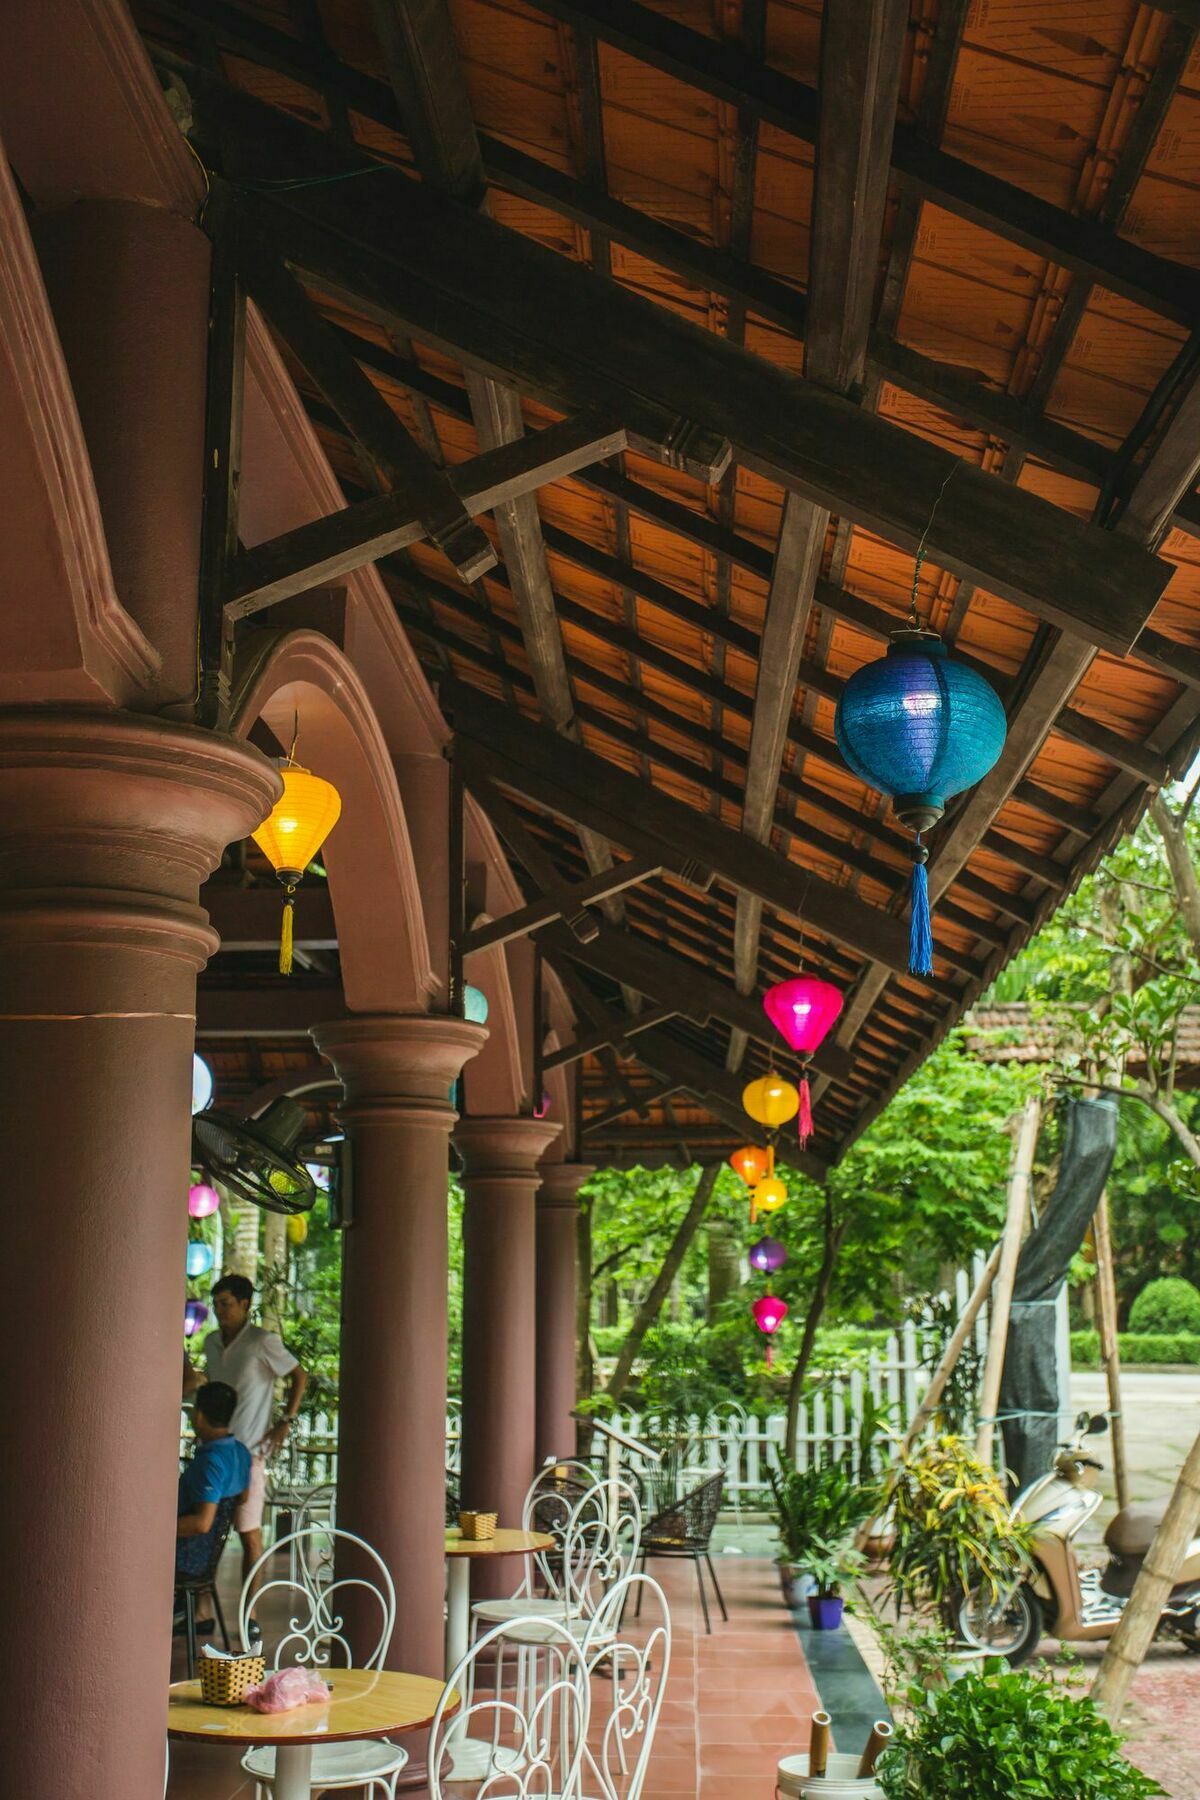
(293, 1772)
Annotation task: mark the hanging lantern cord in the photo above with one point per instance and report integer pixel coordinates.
(914, 616)
(920, 930)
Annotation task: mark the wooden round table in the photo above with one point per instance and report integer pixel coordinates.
(470, 1759)
(460, 1552)
(365, 1703)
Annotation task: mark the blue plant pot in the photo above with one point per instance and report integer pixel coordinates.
(825, 1611)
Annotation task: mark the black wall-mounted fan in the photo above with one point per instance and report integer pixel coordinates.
(255, 1159)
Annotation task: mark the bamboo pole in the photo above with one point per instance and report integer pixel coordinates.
(1020, 1182)
(1128, 1644)
(1110, 1352)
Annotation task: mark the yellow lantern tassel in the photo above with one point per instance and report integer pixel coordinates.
(286, 932)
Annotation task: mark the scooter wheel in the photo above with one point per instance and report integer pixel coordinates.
(1012, 1631)
(1190, 1642)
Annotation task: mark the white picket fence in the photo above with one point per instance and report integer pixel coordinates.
(729, 1440)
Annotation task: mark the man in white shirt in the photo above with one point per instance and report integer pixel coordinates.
(251, 1360)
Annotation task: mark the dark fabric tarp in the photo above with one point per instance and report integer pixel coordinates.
(1029, 1389)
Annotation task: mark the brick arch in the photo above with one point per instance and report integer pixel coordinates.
(303, 677)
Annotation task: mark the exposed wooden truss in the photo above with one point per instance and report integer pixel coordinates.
(756, 758)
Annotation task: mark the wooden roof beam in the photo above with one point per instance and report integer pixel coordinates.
(861, 46)
(326, 549)
(723, 69)
(606, 1037)
(374, 426)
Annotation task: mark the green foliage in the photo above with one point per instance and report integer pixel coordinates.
(1169, 1304)
(954, 1529)
(994, 1735)
(936, 1318)
(818, 1506)
(1137, 1348)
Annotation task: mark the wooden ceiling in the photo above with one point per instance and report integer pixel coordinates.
(971, 256)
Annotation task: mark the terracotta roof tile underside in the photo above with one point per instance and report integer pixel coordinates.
(1096, 111)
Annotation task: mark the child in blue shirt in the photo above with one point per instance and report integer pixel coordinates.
(219, 1469)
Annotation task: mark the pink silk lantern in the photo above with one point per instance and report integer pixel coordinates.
(769, 1313)
(202, 1200)
(803, 1012)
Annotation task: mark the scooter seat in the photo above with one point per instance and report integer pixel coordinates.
(1132, 1531)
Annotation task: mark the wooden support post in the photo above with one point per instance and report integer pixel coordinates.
(1110, 1354)
(1136, 1627)
(1019, 1184)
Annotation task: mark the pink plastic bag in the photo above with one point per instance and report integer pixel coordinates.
(285, 1689)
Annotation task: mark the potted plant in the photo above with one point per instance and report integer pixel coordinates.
(954, 1531)
(829, 1567)
(997, 1734)
(816, 1506)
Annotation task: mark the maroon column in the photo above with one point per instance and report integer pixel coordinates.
(499, 1301)
(557, 1284)
(107, 827)
(397, 1072)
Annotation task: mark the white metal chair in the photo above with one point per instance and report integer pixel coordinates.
(314, 1593)
(637, 1670)
(527, 1747)
(597, 1544)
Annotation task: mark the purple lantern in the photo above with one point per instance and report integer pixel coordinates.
(542, 1108)
(194, 1315)
(767, 1255)
(202, 1200)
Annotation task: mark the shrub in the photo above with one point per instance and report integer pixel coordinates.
(954, 1528)
(994, 1735)
(1137, 1347)
(1169, 1304)
(1159, 1347)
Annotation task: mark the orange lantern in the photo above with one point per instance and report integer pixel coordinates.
(771, 1100)
(751, 1163)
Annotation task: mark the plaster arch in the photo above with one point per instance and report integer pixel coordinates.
(301, 676)
(493, 1081)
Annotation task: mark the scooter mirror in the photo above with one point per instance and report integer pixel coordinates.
(1083, 1422)
(1097, 1425)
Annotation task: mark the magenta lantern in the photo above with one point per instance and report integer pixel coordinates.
(769, 1313)
(767, 1255)
(803, 1010)
(194, 1315)
(202, 1200)
(542, 1109)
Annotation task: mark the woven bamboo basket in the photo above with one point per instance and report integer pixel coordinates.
(477, 1527)
(225, 1679)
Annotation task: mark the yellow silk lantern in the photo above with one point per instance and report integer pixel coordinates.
(297, 1228)
(770, 1195)
(771, 1100)
(292, 834)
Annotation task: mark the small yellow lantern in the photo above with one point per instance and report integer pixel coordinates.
(771, 1100)
(297, 1228)
(770, 1195)
(292, 834)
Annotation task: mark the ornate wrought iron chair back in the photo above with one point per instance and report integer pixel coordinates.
(601, 1545)
(314, 1602)
(537, 1731)
(556, 1491)
(636, 1671)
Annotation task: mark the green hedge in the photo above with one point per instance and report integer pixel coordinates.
(1169, 1305)
(1137, 1347)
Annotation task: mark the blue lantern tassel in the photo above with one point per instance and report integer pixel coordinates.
(920, 936)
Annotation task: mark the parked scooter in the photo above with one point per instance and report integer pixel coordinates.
(1057, 1597)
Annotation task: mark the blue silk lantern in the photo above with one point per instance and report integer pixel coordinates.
(475, 1005)
(919, 727)
(199, 1258)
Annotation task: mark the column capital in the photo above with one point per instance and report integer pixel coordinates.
(505, 1146)
(111, 820)
(399, 1060)
(561, 1183)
